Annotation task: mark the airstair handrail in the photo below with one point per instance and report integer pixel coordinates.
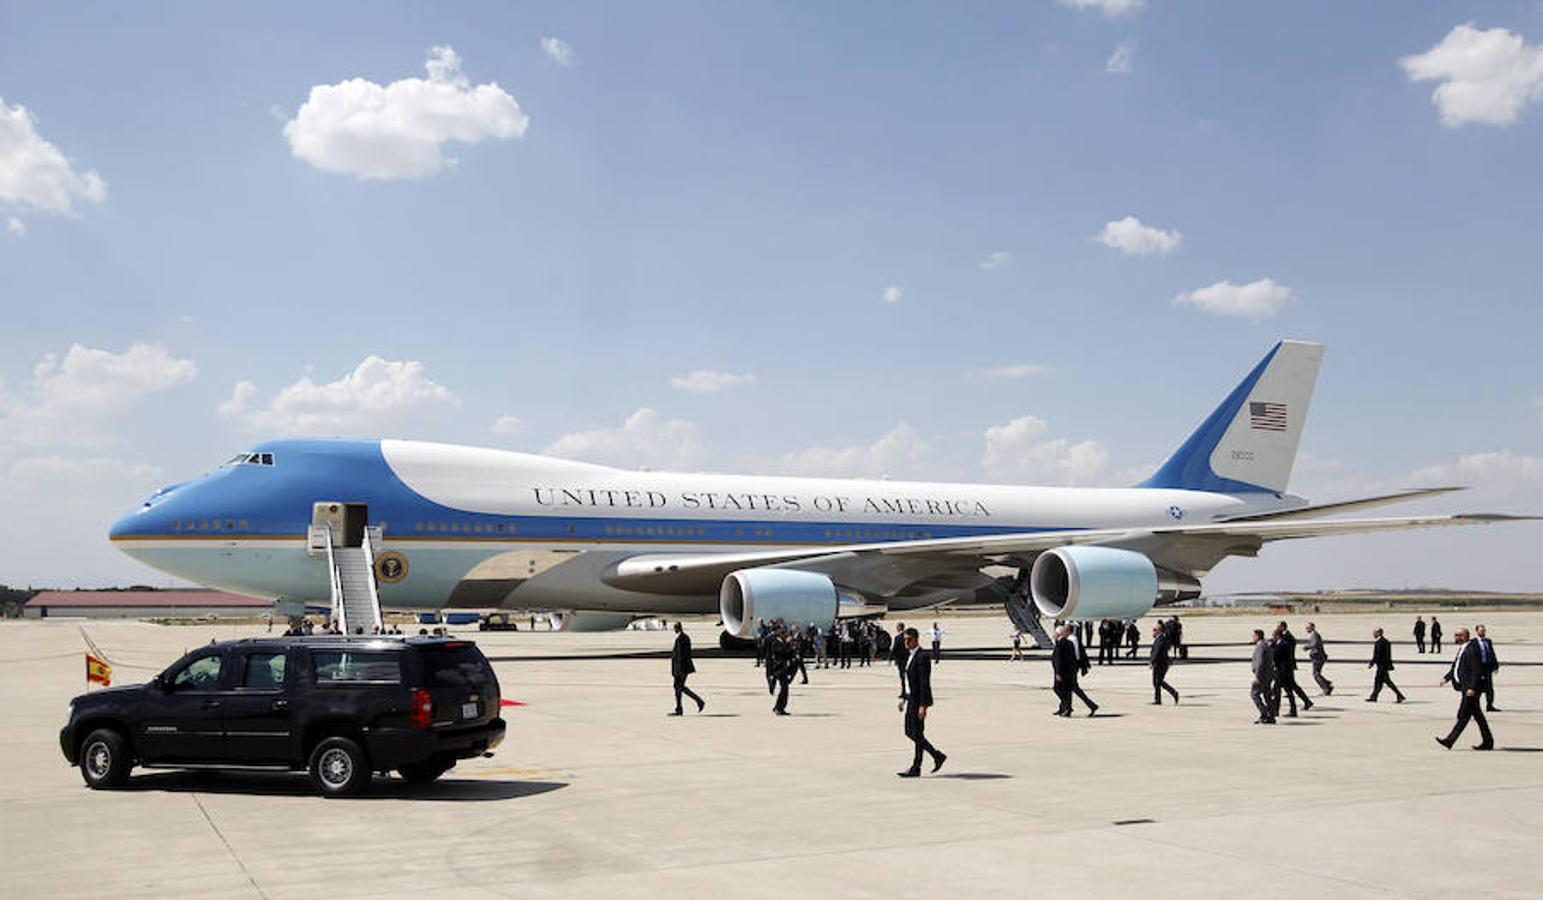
(369, 569)
(339, 607)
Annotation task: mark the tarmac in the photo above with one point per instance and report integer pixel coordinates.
(597, 793)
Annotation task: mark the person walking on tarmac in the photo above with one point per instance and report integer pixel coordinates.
(1382, 661)
(1158, 661)
(1491, 664)
(1313, 644)
(1069, 680)
(1262, 692)
(1063, 668)
(1467, 678)
(1419, 633)
(918, 671)
(681, 667)
(781, 659)
(1435, 635)
(1285, 652)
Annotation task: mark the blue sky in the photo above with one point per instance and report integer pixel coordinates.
(735, 189)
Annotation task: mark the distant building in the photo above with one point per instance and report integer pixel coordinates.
(179, 604)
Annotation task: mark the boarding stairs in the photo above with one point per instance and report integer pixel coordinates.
(355, 596)
(1024, 614)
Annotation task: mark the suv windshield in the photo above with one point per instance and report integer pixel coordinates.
(455, 665)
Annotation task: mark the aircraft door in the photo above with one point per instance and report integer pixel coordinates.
(346, 521)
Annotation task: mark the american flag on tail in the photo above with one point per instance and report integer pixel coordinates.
(1267, 416)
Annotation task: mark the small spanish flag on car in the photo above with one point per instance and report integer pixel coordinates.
(98, 671)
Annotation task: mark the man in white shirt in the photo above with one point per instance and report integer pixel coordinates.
(937, 643)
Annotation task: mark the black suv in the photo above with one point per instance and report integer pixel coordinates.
(341, 707)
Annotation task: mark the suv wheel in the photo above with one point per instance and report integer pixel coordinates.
(424, 772)
(339, 767)
(104, 759)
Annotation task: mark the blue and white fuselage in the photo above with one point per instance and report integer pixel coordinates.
(450, 511)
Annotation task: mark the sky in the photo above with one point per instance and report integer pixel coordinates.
(1026, 243)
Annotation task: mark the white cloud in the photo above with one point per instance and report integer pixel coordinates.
(100, 468)
(559, 50)
(508, 425)
(996, 259)
(899, 453)
(15, 227)
(34, 175)
(1129, 236)
(1107, 7)
(1488, 77)
(644, 441)
(1017, 370)
(378, 396)
(1018, 452)
(357, 127)
(72, 398)
(1122, 59)
(1255, 300)
(1494, 469)
(705, 381)
(892, 294)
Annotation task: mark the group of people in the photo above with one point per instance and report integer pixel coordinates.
(1274, 665)
(1435, 634)
(781, 650)
(302, 626)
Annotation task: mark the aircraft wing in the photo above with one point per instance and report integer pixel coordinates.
(885, 568)
(1342, 506)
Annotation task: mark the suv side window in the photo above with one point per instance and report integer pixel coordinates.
(355, 667)
(202, 674)
(263, 672)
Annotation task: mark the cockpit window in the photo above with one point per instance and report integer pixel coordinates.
(250, 459)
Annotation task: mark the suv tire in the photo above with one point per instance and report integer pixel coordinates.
(339, 767)
(104, 759)
(424, 772)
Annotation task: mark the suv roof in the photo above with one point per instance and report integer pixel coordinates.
(373, 641)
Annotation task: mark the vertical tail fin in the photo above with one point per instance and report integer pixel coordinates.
(1249, 443)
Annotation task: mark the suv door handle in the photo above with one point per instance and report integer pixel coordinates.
(213, 704)
(281, 704)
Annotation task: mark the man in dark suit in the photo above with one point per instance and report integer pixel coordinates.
(1419, 633)
(781, 659)
(1284, 652)
(1467, 678)
(1158, 661)
(1382, 661)
(898, 654)
(1133, 637)
(1435, 635)
(1490, 662)
(681, 666)
(918, 673)
(1063, 666)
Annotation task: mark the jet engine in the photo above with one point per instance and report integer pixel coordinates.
(793, 596)
(1103, 583)
(588, 620)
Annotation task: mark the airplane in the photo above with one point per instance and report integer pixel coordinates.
(467, 527)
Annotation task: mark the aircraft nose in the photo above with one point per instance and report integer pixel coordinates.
(151, 516)
(129, 524)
